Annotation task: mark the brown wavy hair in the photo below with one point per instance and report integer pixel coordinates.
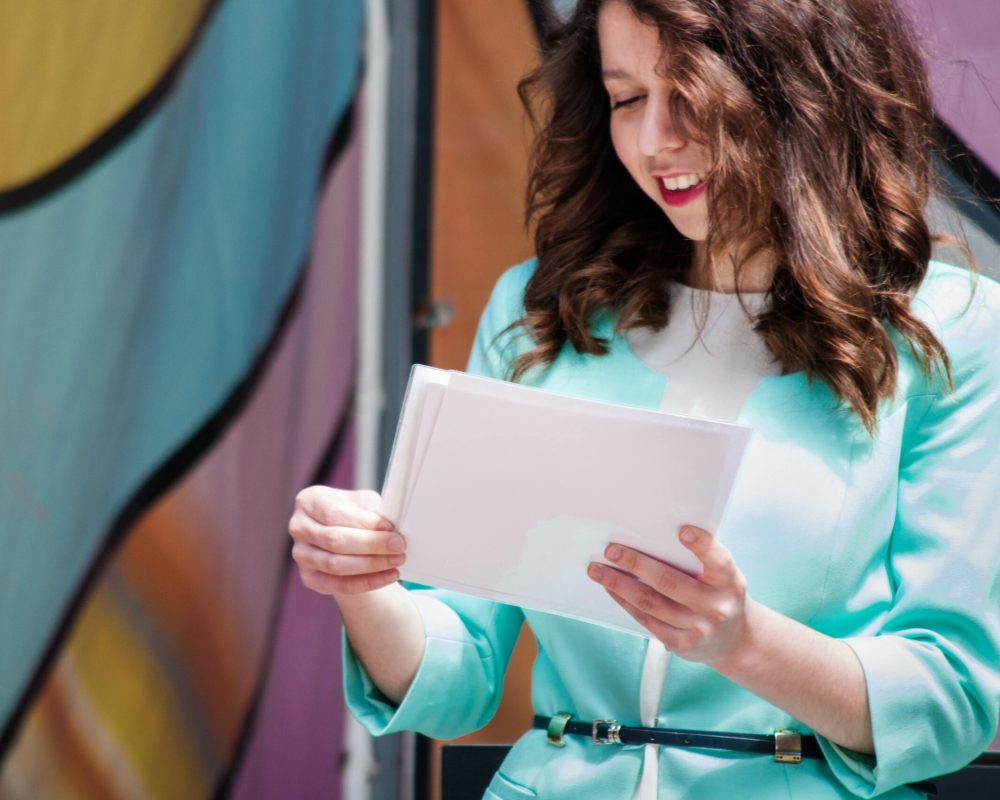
(817, 118)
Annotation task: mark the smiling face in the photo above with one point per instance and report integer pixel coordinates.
(670, 169)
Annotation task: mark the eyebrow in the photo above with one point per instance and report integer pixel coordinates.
(615, 74)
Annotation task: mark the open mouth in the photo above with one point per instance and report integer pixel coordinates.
(680, 190)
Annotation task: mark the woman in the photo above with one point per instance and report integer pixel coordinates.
(729, 205)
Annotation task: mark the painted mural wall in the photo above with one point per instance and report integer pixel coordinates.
(178, 266)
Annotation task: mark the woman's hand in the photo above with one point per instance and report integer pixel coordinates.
(343, 544)
(344, 547)
(702, 618)
(709, 618)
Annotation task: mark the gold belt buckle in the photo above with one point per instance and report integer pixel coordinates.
(787, 746)
(612, 736)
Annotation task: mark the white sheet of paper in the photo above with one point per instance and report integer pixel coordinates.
(414, 426)
(508, 492)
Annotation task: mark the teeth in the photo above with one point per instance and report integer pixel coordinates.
(680, 182)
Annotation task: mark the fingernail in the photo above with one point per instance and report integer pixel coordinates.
(595, 571)
(614, 552)
(688, 535)
(397, 559)
(384, 525)
(396, 544)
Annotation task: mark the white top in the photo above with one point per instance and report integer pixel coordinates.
(709, 352)
(713, 359)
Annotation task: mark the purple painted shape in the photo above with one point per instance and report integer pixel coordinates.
(295, 747)
(963, 43)
(297, 743)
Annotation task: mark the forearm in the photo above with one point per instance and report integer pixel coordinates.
(387, 635)
(815, 678)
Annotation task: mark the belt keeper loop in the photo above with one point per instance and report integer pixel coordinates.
(557, 729)
(787, 746)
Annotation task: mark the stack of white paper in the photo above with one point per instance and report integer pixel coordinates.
(509, 492)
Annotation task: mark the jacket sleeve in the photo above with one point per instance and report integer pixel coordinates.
(933, 670)
(468, 640)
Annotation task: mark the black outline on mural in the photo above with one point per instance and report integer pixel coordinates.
(173, 469)
(968, 184)
(341, 138)
(231, 773)
(973, 171)
(76, 164)
(170, 472)
(542, 14)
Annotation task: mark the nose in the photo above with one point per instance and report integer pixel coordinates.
(656, 129)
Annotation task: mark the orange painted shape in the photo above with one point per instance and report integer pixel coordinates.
(168, 561)
(107, 716)
(113, 710)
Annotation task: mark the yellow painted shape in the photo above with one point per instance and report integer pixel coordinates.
(71, 68)
(108, 717)
(136, 702)
(61, 728)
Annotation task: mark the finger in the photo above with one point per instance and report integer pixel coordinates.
(330, 506)
(313, 558)
(665, 579)
(349, 584)
(666, 633)
(345, 541)
(642, 596)
(368, 500)
(719, 569)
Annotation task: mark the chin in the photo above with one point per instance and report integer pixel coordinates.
(696, 233)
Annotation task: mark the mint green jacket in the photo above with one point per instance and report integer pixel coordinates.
(890, 543)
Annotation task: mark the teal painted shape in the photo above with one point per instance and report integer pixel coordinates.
(134, 300)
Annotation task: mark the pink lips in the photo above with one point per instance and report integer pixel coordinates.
(681, 197)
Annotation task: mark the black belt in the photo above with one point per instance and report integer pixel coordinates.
(786, 746)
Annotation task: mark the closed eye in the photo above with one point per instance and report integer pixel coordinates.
(628, 101)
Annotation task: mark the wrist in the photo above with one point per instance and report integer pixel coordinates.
(739, 659)
(352, 604)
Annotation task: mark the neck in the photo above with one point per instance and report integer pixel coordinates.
(754, 275)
